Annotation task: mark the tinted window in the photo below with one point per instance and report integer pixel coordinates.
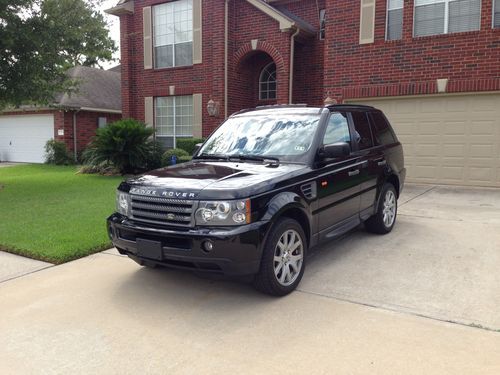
(381, 130)
(363, 128)
(337, 129)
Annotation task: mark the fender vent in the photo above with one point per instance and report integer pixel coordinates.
(309, 190)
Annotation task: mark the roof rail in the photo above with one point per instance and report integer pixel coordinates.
(331, 106)
(281, 106)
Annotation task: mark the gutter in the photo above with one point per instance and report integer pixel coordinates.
(74, 134)
(292, 57)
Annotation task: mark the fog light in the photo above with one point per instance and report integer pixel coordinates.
(208, 246)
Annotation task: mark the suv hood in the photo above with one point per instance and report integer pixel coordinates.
(212, 180)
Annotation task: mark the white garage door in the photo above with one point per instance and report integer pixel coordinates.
(23, 137)
(448, 139)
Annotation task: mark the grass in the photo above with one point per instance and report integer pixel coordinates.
(51, 213)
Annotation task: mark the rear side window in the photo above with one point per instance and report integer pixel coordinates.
(362, 126)
(337, 129)
(381, 130)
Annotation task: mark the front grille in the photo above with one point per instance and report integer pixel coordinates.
(163, 211)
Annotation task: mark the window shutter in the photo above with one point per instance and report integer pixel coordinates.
(148, 111)
(367, 22)
(197, 35)
(197, 115)
(148, 40)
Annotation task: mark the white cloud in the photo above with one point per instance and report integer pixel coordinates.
(114, 29)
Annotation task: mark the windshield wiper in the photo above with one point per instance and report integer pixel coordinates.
(262, 159)
(211, 156)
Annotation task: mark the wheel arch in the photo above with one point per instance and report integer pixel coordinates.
(290, 205)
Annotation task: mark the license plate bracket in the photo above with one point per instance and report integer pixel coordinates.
(149, 249)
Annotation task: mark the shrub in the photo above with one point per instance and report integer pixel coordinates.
(188, 144)
(125, 144)
(154, 160)
(57, 153)
(167, 155)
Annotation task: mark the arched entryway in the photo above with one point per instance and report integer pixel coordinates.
(258, 78)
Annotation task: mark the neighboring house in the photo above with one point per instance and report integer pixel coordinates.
(432, 65)
(97, 101)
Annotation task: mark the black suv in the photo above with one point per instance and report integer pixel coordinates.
(266, 186)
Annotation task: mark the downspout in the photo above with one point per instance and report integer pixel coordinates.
(226, 47)
(292, 57)
(74, 134)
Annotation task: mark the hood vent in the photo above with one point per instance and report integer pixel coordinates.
(309, 190)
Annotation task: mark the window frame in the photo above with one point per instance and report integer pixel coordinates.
(264, 70)
(446, 18)
(387, 21)
(154, 36)
(494, 3)
(174, 136)
(322, 24)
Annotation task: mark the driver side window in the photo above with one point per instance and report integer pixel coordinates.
(337, 129)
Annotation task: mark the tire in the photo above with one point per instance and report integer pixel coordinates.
(283, 259)
(384, 219)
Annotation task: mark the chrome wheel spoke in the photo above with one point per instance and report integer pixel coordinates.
(288, 257)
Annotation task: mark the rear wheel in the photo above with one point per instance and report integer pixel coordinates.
(283, 259)
(385, 218)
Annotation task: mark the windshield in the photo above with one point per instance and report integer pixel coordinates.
(287, 137)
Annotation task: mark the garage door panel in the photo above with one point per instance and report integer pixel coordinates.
(23, 137)
(448, 139)
(453, 173)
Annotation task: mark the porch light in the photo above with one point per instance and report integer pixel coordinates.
(329, 101)
(213, 108)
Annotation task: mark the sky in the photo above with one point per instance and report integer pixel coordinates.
(114, 29)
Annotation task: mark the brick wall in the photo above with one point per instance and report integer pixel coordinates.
(86, 126)
(338, 65)
(470, 60)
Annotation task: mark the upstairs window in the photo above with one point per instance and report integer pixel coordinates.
(394, 20)
(267, 83)
(173, 34)
(433, 17)
(496, 14)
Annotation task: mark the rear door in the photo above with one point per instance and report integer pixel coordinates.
(337, 181)
(372, 161)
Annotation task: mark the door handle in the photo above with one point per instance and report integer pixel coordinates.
(382, 163)
(353, 173)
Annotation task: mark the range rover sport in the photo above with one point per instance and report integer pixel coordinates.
(268, 185)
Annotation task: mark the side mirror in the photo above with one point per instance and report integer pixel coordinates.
(197, 148)
(335, 150)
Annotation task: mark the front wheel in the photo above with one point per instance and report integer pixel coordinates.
(384, 219)
(283, 259)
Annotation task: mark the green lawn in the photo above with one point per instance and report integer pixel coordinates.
(53, 214)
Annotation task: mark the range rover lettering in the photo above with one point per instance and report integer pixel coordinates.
(268, 185)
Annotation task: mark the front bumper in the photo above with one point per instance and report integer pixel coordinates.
(236, 250)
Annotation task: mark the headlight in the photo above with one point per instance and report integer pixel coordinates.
(223, 212)
(122, 202)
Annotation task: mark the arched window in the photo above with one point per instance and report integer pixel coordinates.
(267, 82)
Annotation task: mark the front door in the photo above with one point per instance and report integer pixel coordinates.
(338, 180)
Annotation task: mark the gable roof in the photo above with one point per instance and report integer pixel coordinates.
(97, 89)
(287, 20)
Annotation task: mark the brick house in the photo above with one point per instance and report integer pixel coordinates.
(72, 118)
(432, 65)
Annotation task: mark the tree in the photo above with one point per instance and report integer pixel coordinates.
(41, 39)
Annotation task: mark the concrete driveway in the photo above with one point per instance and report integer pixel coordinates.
(367, 304)
(441, 261)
